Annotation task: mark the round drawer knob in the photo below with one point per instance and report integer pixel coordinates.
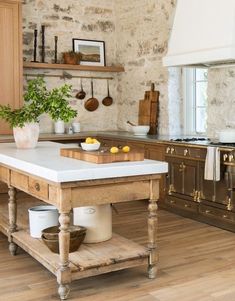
(37, 186)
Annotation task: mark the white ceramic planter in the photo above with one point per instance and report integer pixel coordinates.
(59, 127)
(27, 136)
(42, 217)
(97, 220)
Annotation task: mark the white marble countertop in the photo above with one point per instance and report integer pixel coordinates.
(45, 162)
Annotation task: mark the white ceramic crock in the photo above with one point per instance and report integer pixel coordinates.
(97, 220)
(40, 218)
(27, 136)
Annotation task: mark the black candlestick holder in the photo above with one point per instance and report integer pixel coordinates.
(35, 45)
(56, 53)
(43, 45)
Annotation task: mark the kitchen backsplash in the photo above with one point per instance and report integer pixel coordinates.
(136, 34)
(69, 19)
(221, 100)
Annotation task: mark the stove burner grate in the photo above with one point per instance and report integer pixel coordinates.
(190, 139)
(222, 144)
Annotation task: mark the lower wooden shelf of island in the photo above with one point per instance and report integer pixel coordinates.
(90, 260)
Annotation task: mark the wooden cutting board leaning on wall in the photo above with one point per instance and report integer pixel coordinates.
(149, 110)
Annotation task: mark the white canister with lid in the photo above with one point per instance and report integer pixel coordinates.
(76, 127)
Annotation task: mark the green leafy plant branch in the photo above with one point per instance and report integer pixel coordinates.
(39, 100)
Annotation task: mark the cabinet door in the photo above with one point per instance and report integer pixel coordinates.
(155, 153)
(140, 146)
(212, 190)
(190, 172)
(182, 176)
(10, 57)
(105, 142)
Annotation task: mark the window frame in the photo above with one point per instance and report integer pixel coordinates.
(189, 101)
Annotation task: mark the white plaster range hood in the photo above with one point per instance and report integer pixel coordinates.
(203, 34)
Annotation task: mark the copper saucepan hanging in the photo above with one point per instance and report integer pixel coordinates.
(92, 103)
(108, 100)
(81, 94)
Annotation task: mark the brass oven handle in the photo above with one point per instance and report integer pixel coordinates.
(186, 152)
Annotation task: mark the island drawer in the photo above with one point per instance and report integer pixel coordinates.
(38, 188)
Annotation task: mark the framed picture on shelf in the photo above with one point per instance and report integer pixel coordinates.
(92, 52)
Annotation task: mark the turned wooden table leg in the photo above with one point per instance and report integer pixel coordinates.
(12, 208)
(64, 273)
(152, 229)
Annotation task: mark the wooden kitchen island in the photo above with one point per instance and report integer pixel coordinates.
(68, 183)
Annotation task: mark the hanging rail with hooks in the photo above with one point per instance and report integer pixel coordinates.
(66, 75)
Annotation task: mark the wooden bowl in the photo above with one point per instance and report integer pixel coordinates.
(75, 243)
(53, 232)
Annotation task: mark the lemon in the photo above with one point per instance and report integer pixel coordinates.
(126, 149)
(95, 141)
(114, 150)
(89, 140)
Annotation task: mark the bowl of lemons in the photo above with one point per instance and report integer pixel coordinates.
(90, 144)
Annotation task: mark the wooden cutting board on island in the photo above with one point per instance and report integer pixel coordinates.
(102, 156)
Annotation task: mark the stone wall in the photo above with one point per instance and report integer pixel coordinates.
(221, 100)
(136, 35)
(142, 34)
(85, 19)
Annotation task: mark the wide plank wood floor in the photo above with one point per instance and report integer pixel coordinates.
(197, 263)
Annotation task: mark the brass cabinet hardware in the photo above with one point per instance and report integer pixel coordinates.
(187, 206)
(186, 152)
(172, 150)
(230, 158)
(207, 211)
(225, 156)
(182, 167)
(225, 216)
(37, 186)
(168, 149)
(172, 202)
(194, 195)
(229, 206)
(171, 189)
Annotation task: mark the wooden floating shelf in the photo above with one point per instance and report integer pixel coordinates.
(73, 67)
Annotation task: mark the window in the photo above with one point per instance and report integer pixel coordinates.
(195, 100)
